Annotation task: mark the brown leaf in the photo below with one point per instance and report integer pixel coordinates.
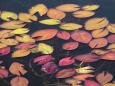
(104, 77)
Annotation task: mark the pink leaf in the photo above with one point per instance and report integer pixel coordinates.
(3, 73)
(5, 51)
(91, 83)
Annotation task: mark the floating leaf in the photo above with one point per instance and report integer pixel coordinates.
(5, 51)
(99, 51)
(98, 43)
(43, 59)
(104, 77)
(111, 28)
(68, 7)
(87, 69)
(25, 17)
(16, 68)
(91, 83)
(7, 15)
(111, 46)
(2, 45)
(45, 34)
(66, 61)
(81, 36)
(87, 57)
(90, 7)
(45, 48)
(19, 81)
(20, 31)
(100, 33)
(70, 46)
(49, 67)
(111, 38)
(50, 21)
(83, 14)
(20, 53)
(5, 34)
(96, 23)
(63, 35)
(83, 77)
(9, 41)
(109, 84)
(40, 8)
(12, 25)
(70, 26)
(3, 73)
(55, 14)
(25, 39)
(65, 73)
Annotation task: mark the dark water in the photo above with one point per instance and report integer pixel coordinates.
(107, 10)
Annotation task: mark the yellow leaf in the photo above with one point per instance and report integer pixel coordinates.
(2, 45)
(7, 15)
(9, 41)
(20, 31)
(99, 51)
(70, 26)
(20, 53)
(111, 46)
(24, 38)
(25, 17)
(68, 7)
(111, 28)
(83, 14)
(45, 48)
(12, 25)
(90, 7)
(96, 23)
(109, 84)
(50, 21)
(40, 8)
(100, 33)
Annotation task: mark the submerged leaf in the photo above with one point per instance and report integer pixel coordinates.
(96, 23)
(40, 8)
(70, 26)
(50, 21)
(68, 7)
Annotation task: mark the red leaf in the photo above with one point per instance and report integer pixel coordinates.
(63, 35)
(66, 61)
(5, 51)
(91, 83)
(70, 45)
(3, 73)
(65, 73)
(81, 36)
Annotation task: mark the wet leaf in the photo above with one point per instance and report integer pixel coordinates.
(55, 14)
(87, 69)
(25, 17)
(63, 35)
(40, 8)
(65, 73)
(100, 33)
(12, 25)
(66, 61)
(70, 46)
(43, 59)
(7, 15)
(87, 57)
(68, 7)
(81, 36)
(2, 45)
(109, 84)
(99, 51)
(20, 53)
(19, 81)
(25, 39)
(50, 22)
(91, 83)
(98, 43)
(45, 34)
(70, 26)
(20, 31)
(111, 46)
(111, 28)
(5, 51)
(17, 68)
(45, 48)
(83, 14)
(104, 77)
(111, 38)
(96, 23)
(73, 82)
(90, 7)
(3, 73)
